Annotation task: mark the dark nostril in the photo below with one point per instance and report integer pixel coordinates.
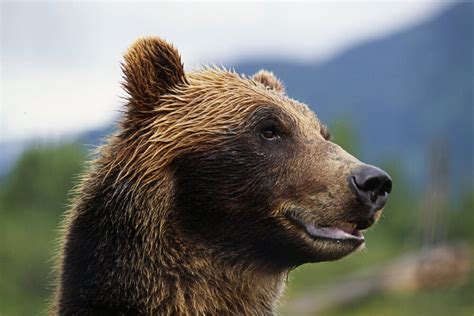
(371, 183)
(387, 186)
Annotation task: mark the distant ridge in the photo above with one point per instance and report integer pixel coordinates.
(402, 92)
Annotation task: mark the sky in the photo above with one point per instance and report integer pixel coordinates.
(60, 61)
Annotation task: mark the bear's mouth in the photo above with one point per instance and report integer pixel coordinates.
(340, 231)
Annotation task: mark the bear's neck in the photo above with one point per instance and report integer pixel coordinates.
(202, 279)
(134, 258)
(205, 283)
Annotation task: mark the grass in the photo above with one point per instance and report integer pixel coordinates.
(455, 300)
(28, 242)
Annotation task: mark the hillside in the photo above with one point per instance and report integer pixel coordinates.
(402, 92)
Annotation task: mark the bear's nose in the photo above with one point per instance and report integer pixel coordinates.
(371, 185)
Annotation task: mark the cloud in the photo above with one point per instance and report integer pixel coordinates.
(60, 61)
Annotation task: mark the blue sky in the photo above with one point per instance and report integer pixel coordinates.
(60, 61)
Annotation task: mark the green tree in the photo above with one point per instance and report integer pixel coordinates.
(42, 178)
(345, 135)
(32, 199)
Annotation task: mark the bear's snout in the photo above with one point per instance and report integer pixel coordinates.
(371, 186)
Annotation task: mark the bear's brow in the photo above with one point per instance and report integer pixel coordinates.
(270, 111)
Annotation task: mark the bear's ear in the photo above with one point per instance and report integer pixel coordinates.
(152, 68)
(269, 80)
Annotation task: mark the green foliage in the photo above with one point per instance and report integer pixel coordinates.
(31, 201)
(456, 300)
(42, 178)
(401, 215)
(462, 217)
(344, 134)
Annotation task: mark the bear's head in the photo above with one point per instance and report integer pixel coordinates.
(253, 174)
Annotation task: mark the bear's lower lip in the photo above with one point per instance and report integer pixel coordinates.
(332, 232)
(344, 231)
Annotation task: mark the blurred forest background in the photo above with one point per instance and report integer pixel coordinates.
(403, 102)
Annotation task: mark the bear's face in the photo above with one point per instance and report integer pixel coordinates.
(255, 176)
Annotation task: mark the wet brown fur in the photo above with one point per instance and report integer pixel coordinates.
(159, 228)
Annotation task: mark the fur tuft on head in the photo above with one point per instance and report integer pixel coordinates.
(269, 80)
(152, 68)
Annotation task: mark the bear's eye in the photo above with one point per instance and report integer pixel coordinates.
(269, 133)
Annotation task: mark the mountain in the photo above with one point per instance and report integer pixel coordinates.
(12, 149)
(402, 92)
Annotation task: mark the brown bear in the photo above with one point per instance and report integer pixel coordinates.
(215, 186)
